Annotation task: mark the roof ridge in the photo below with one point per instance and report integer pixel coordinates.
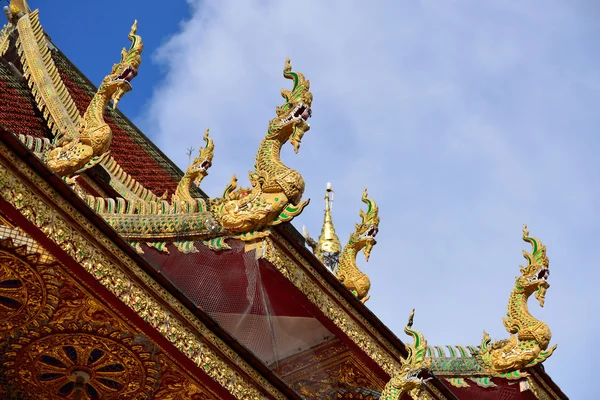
(50, 92)
(454, 351)
(136, 188)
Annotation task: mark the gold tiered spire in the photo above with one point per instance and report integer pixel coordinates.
(328, 248)
(329, 241)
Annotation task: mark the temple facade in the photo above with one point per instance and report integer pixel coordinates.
(121, 279)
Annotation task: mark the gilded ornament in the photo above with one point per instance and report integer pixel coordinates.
(340, 371)
(328, 300)
(529, 339)
(16, 10)
(328, 248)
(56, 362)
(274, 198)
(362, 239)
(50, 93)
(410, 377)
(28, 288)
(75, 153)
(195, 173)
(175, 386)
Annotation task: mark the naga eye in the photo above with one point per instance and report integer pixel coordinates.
(290, 105)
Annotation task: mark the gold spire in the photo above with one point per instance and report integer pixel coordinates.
(329, 241)
(328, 248)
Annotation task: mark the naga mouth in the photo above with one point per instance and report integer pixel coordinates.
(302, 111)
(419, 375)
(543, 274)
(126, 75)
(371, 233)
(206, 164)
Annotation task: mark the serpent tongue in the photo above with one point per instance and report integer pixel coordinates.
(541, 295)
(306, 114)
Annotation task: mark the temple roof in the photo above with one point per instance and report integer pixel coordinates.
(267, 281)
(132, 150)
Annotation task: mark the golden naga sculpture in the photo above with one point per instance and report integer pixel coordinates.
(75, 154)
(362, 239)
(276, 189)
(529, 339)
(275, 195)
(413, 370)
(328, 248)
(195, 173)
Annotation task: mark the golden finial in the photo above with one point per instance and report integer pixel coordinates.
(328, 247)
(329, 241)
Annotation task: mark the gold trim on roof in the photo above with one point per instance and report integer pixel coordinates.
(4, 39)
(49, 91)
(112, 268)
(328, 248)
(326, 302)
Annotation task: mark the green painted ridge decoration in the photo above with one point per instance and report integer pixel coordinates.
(458, 382)
(458, 367)
(35, 144)
(186, 247)
(484, 382)
(160, 246)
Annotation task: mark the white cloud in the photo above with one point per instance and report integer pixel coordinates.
(464, 119)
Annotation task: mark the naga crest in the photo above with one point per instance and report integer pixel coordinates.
(414, 368)
(529, 339)
(119, 80)
(290, 122)
(365, 233)
(195, 173)
(203, 162)
(534, 276)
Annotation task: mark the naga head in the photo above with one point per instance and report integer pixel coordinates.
(364, 236)
(290, 122)
(199, 168)
(16, 9)
(534, 276)
(415, 369)
(118, 82)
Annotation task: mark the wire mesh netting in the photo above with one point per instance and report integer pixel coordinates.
(251, 300)
(19, 238)
(246, 297)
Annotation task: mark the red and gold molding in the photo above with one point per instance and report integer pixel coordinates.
(64, 230)
(330, 371)
(54, 327)
(296, 269)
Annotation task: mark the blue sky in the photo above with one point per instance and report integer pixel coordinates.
(465, 119)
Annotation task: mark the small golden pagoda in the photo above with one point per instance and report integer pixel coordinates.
(328, 247)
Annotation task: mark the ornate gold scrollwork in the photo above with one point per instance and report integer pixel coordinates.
(28, 290)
